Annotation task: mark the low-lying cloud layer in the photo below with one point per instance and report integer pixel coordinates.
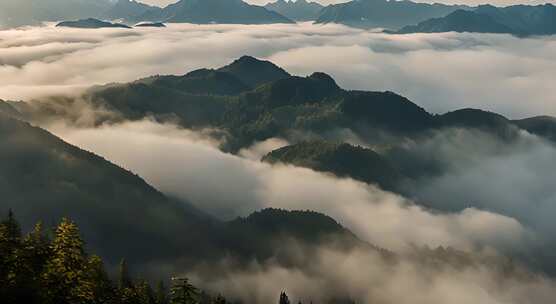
(364, 277)
(187, 165)
(440, 72)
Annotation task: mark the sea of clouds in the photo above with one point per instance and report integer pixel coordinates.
(440, 72)
(493, 198)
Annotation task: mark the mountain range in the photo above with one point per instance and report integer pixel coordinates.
(519, 20)
(300, 10)
(29, 12)
(383, 13)
(44, 179)
(90, 23)
(214, 11)
(253, 100)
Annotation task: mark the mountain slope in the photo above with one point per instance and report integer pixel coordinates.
(300, 10)
(459, 21)
(343, 160)
(130, 10)
(519, 20)
(44, 178)
(254, 72)
(383, 13)
(253, 100)
(214, 11)
(543, 126)
(90, 23)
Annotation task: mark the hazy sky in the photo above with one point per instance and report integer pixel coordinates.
(470, 2)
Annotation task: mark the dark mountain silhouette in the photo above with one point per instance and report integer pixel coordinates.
(458, 21)
(253, 100)
(519, 20)
(130, 10)
(214, 11)
(544, 126)
(91, 23)
(203, 81)
(150, 24)
(254, 72)
(300, 10)
(296, 90)
(383, 13)
(341, 159)
(479, 119)
(44, 178)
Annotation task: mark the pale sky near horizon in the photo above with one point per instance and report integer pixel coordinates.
(325, 2)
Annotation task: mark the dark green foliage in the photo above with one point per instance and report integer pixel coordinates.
(254, 72)
(203, 81)
(108, 200)
(343, 160)
(124, 277)
(34, 269)
(263, 234)
(67, 181)
(183, 292)
(543, 126)
(161, 294)
(486, 121)
(91, 23)
(388, 111)
(253, 100)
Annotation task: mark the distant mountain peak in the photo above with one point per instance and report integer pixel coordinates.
(301, 10)
(324, 78)
(254, 72)
(216, 11)
(91, 23)
(518, 20)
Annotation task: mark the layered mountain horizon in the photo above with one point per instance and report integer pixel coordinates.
(519, 20)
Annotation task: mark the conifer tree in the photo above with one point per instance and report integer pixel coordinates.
(66, 278)
(12, 228)
(103, 289)
(284, 298)
(11, 259)
(182, 292)
(161, 293)
(124, 280)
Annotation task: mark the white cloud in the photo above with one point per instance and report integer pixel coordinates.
(440, 72)
(187, 165)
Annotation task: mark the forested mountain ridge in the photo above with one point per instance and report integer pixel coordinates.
(341, 159)
(519, 20)
(254, 100)
(14, 13)
(300, 10)
(214, 11)
(91, 23)
(382, 13)
(44, 178)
